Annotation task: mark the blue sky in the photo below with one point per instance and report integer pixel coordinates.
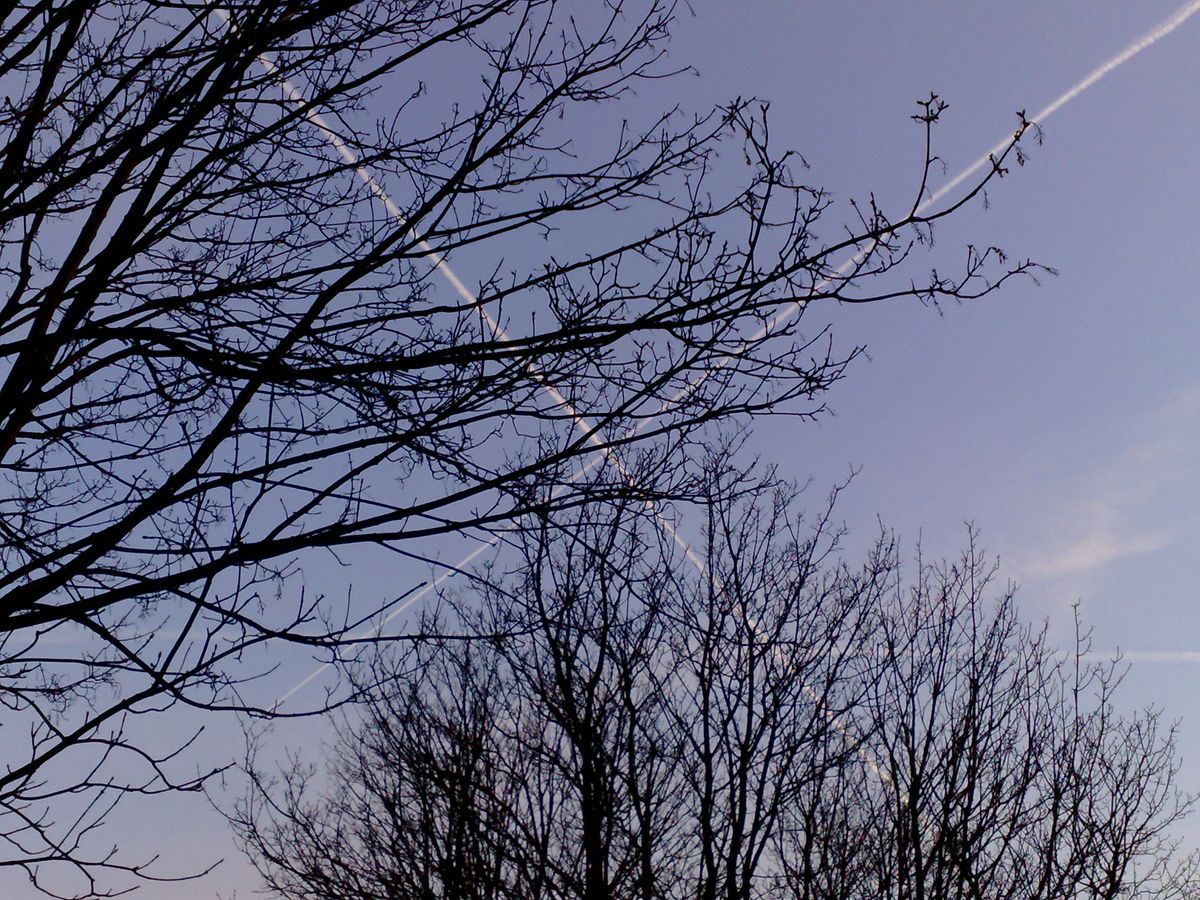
(1059, 418)
(1063, 419)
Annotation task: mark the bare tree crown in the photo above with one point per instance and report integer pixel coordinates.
(222, 351)
(781, 725)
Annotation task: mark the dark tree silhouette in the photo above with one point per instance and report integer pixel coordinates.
(780, 725)
(231, 338)
(997, 766)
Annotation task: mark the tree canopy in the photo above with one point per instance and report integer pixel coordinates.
(773, 723)
(232, 338)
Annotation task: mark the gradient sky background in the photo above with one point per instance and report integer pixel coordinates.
(1063, 420)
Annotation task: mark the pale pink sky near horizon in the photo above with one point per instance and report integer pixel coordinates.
(1062, 419)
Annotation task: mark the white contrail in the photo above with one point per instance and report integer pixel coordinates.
(1155, 34)
(1152, 36)
(1141, 656)
(439, 263)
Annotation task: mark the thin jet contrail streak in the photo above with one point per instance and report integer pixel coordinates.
(1155, 34)
(782, 317)
(1143, 656)
(1152, 36)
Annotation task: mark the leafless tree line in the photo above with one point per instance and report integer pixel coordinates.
(782, 724)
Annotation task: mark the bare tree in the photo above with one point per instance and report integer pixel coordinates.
(779, 725)
(996, 765)
(231, 337)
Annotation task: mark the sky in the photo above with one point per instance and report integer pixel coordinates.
(1062, 419)
(1059, 418)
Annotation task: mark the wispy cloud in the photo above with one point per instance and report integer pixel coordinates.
(1092, 552)
(1117, 507)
